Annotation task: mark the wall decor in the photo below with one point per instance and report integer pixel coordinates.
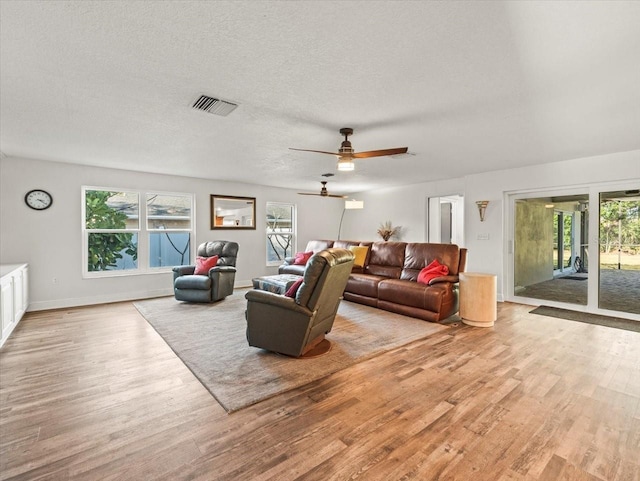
(231, 212)
(38, 199)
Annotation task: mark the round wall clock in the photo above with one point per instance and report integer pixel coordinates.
(38, 199)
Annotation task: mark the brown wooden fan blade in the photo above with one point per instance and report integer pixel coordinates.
(380, 153)
(325, 195)
(318, 151)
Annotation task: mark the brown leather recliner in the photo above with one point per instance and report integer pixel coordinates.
(293, 326)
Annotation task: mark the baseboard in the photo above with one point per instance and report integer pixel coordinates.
(107, 298)
(103, 299)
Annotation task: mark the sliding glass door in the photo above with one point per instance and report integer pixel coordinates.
(619, 252)
(559, 261)
(548, 232)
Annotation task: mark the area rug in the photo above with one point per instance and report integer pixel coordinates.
(615, 322)
(211, 340)
(573, 278)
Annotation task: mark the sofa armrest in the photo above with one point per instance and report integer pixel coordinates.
(435, 280)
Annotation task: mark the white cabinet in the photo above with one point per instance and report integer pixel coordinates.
(14, 298)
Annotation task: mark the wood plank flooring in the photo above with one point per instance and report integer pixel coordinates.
(94, 393)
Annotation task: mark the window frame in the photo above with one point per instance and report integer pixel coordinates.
(150, 231)
(293, 231)
(142, 232)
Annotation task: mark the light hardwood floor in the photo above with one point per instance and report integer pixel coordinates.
(94, 393)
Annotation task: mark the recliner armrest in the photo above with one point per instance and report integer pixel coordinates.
(435, 280)
(183, 271)
(277, 300)
(222, 269)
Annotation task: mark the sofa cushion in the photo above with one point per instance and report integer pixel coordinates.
(413, 294)
(363, 284)
(316, 246)
(419, 255)
(386, 259)
(193, 282)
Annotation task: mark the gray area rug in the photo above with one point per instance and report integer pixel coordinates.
(615, 322)
(211, 340)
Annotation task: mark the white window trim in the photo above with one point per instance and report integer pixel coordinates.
(294, 231)
(143, 233)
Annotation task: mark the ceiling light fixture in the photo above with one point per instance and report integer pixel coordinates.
(345, 164)
(349, 205)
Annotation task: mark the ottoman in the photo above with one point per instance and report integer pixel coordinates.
(278, 284)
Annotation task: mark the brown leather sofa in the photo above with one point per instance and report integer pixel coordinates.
(315, 246)
(388, 279)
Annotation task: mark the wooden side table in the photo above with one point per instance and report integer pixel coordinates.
(478, 299)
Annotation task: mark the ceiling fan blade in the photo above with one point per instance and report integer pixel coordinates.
(318, 151)
(325, 195)
(380, 153)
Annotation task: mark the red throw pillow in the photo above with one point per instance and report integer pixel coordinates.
(433, 270)
(203, 264)
(302, 258)
(293, 290)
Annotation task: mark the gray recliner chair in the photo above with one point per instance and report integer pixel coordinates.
(294, 326)
(213, 287)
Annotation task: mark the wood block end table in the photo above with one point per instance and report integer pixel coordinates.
(478, 299)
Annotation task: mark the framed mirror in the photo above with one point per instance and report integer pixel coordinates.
(231, 212)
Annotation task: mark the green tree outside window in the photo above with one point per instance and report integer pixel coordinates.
(105, 249)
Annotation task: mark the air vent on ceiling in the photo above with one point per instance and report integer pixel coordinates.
(214, 106)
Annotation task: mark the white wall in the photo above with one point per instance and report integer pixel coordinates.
(50, 241)
(406, 206)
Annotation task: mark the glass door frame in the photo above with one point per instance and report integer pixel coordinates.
(593, 287)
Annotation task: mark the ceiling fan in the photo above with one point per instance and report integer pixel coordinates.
(346, 154)
(324, 192)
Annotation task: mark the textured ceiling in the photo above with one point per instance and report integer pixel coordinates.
(467, 86)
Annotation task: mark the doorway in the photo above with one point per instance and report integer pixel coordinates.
(446, 219)
(548, 231)
(619, 251)
(556, 259)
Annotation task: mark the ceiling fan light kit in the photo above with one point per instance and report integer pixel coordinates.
(345, 164)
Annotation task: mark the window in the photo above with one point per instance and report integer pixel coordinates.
(281, 231)
(116, 241)
(169, 226)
